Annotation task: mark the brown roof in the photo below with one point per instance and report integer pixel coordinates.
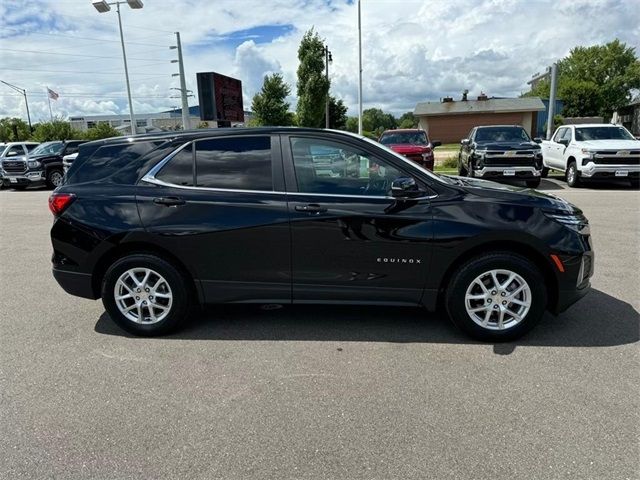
(492, 105)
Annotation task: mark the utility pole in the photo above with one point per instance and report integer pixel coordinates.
(552, 99)
(359, 71)
(186, 125)
(327, 59)
(26, 102)
(126, 74)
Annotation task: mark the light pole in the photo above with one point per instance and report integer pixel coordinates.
(183, 83)
(359, 71)
(103, 6)
(26, 102)
(327, 59)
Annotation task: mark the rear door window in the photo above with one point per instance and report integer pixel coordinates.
(234, 163)
(179, 169)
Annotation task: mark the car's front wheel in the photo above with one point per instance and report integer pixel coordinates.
(533, 183)
(496, 296)
(573, 176)
(461, 170)
(146, 295)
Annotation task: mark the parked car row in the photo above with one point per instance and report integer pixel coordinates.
(502, 152)
(34, 164)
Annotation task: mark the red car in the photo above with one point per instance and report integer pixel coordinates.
(412, 143)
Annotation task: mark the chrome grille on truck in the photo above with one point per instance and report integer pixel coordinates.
(14, 166)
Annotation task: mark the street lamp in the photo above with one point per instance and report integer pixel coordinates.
(24, 94)
(327, 59)
(102, 6)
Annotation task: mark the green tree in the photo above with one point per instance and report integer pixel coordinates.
(313, 86)
(55, 130)
(595, 81)
(14, 130)
(338, 114)
(407, 120)
(101, 130)
(269, 105)
(374, 119)
(352, 124)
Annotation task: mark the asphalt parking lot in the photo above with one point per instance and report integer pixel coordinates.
(318, 392)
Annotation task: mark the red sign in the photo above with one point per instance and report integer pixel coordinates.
(220, 97)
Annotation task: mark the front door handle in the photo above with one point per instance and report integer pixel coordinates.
(169, 201)
(311, 208)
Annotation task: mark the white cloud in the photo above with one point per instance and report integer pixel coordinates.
(412, 50)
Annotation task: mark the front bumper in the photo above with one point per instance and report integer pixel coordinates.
(508, 172)
(593, 170)
(27, 178)
(579, 270)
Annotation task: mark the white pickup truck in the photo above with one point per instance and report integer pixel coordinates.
(593, 151)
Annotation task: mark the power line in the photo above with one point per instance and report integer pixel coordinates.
(76, 54)
(22, 33)
(106, 72)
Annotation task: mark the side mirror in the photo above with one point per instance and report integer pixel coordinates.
(436, 144)
(464, 141)
(564, 142)
(405, 187)
(537, 140)
(12, 153)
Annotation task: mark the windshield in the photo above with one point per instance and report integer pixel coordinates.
(411, 138)
(49, 148)
(502, 134)
(584, 134)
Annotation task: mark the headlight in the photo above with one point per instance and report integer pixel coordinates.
(576, 222)
(587, 153)
(33, 164)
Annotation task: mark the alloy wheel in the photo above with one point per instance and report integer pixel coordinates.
(498, 299)
(143, 296)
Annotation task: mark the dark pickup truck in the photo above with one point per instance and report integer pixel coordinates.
(43, 165)
(501, 152)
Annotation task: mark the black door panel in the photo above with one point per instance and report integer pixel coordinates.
(359, 249)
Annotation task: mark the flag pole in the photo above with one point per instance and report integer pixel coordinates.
(49, 100)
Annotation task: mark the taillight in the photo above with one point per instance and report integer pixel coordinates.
(58, 202)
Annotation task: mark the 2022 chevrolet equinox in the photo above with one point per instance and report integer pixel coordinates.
(156, 224)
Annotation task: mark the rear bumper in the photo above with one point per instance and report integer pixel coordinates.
(74, 283)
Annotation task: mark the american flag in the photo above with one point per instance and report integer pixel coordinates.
(52, 95)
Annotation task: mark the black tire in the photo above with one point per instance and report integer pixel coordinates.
(533, 183)
(573, 175)
(461, 170)
(545, 172)
(19, 188)
(470, 172)
(465, 275)
(177, 281)
(634, 182)
(54, 177)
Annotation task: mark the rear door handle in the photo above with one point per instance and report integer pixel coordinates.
(169, 201)
(311, 208)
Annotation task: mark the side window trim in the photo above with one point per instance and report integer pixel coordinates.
(150, 176)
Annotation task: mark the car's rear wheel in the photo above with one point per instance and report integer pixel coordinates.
(545, 172)
(497, 296)
(54, 178)
(146, 295)
(533, 183)
(573, 176)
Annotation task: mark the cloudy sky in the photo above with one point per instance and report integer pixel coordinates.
(412, 50)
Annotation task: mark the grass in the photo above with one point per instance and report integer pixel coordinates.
(449, 146)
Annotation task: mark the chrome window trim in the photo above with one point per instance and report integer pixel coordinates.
(150, 177)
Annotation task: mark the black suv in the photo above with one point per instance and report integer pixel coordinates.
(42, 166)
(501, 152)
(154, 224)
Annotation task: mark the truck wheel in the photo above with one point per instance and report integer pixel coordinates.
(545, 172)
(634, 182)
(470, 172)
(496, 296)
(533, 183)
(573, 176)
(54, 178)
(461, 170)
(146, 295)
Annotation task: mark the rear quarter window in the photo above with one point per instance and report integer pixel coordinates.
(107, 160)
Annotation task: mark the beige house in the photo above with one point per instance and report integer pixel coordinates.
(450, 121)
